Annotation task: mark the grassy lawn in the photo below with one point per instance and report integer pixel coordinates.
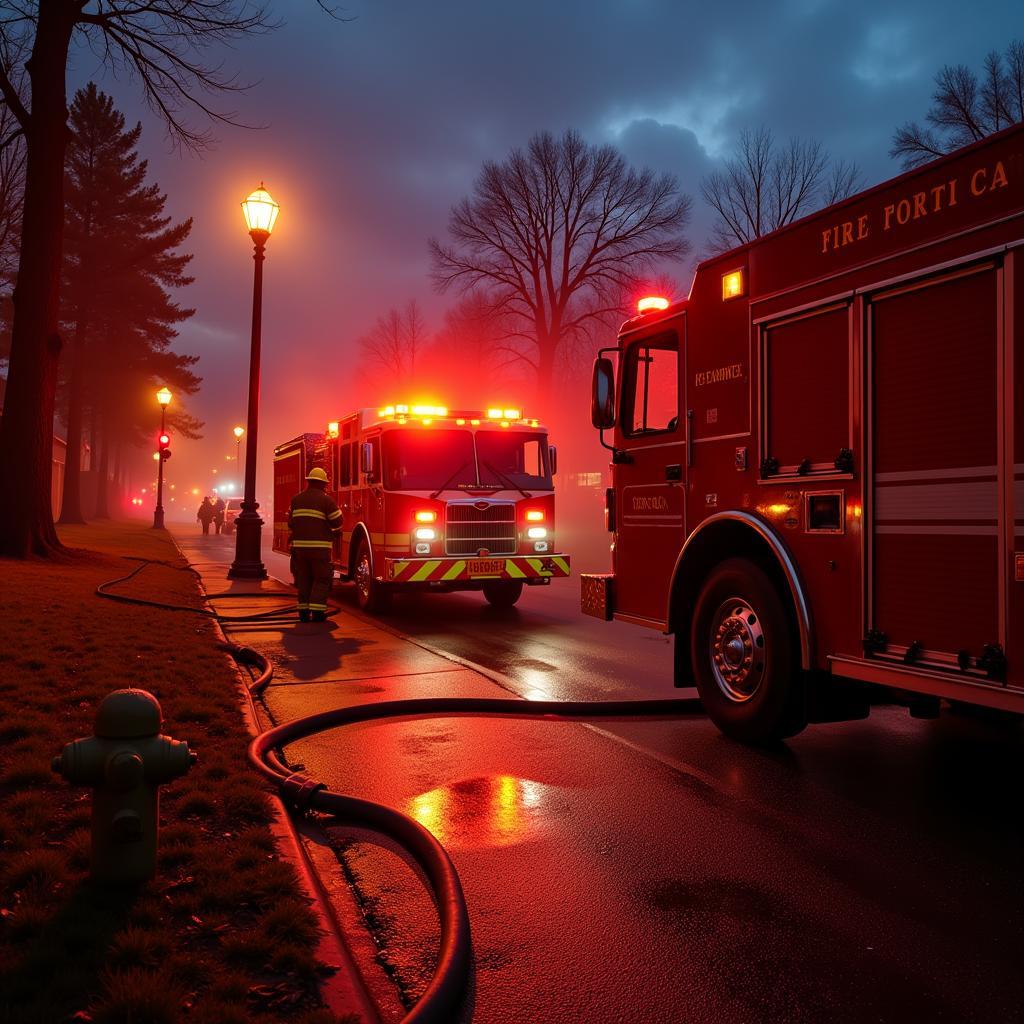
(222, 934)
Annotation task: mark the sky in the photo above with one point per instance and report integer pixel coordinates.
(374, 126)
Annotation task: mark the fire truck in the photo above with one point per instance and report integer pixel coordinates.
(432, 499)
(818, 457)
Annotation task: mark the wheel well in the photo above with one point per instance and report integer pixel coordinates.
(735, 539)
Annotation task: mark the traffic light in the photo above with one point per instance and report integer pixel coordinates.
(165, 445)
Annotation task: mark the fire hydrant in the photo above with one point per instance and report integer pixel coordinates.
(125, 763)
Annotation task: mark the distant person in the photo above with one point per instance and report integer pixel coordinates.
(218, 513)
(314, 521)
(205, 514)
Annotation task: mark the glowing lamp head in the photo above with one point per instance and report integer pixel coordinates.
(651, 304)
(333, 428)
(260, 212)
(238, 432)
(163, 396)
(732, 285)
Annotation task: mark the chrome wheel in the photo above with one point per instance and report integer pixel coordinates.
(738, 655)
(364, 578)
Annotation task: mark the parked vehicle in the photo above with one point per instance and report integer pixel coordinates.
(818, 457)
(432, 499)
(233, 506)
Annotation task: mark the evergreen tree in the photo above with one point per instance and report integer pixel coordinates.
(121, 259)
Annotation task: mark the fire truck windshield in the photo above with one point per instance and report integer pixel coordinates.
(428, 460)
(420, 460)
(513, 457)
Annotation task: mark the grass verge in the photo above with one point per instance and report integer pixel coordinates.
(223, 934)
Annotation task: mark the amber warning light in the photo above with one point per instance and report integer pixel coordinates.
(652, 304)
(732, 285)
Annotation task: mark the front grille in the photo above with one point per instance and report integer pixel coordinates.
(469, 529)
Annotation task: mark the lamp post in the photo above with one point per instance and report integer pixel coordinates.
(238, 432)
(260, 212)
(163, 396)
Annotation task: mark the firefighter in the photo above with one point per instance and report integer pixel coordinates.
(205, 514)
(218, 513)
(314, 521)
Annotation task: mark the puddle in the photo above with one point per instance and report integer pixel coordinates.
(484, 811)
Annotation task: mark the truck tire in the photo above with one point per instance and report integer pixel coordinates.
(371, 596)
(743, 650)
(503, 594)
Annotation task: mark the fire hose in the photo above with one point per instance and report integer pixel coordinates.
(441, 1000)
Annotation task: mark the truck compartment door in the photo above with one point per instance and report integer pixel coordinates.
(934, 560)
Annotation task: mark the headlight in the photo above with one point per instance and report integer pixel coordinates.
(536, 533)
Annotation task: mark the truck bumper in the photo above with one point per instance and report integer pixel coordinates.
(597, 595)
(464, 570)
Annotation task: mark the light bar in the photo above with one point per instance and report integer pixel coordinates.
(652, 304)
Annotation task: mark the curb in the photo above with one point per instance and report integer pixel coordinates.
(344, 991)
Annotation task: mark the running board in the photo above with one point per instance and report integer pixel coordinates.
(936, 684)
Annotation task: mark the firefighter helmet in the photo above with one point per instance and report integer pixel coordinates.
(316, 473)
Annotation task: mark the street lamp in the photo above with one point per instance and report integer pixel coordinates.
(260, 212)
(163, 396)
(238, 432)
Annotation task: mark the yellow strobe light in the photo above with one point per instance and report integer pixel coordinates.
(732, 285)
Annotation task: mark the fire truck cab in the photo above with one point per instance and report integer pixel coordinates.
(432, 499)
(818, 457)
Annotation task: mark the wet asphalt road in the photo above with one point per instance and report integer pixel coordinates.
(654, 871)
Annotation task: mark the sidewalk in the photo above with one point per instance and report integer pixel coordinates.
(348, 660)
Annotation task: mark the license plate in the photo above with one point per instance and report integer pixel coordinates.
(485, 566)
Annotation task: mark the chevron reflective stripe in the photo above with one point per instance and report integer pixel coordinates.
(424, 572)
(311, 544)
(449, 570)
(309, 513)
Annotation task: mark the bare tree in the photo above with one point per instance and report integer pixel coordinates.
(764, 186)
(965, 108)
(389, 349)
(554, 236)
(162, 43)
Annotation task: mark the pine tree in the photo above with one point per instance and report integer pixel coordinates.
(121, 259)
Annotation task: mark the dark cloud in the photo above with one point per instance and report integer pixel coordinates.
(376, 126)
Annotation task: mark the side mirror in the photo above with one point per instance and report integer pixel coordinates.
(553, 459)
(366, 458)
(602, 402)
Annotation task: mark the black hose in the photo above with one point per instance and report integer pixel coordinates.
(284, 613)
(440, 1002)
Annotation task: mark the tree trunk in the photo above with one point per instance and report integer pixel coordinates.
(116, 483)
(26, 432)
(71, 506)
(546, 349)
(103, 474)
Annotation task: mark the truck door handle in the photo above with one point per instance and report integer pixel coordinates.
(674, 472)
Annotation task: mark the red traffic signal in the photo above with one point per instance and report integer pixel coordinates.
(164, 441)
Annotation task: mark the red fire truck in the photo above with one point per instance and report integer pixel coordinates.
(433, 499)
(818, 457)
